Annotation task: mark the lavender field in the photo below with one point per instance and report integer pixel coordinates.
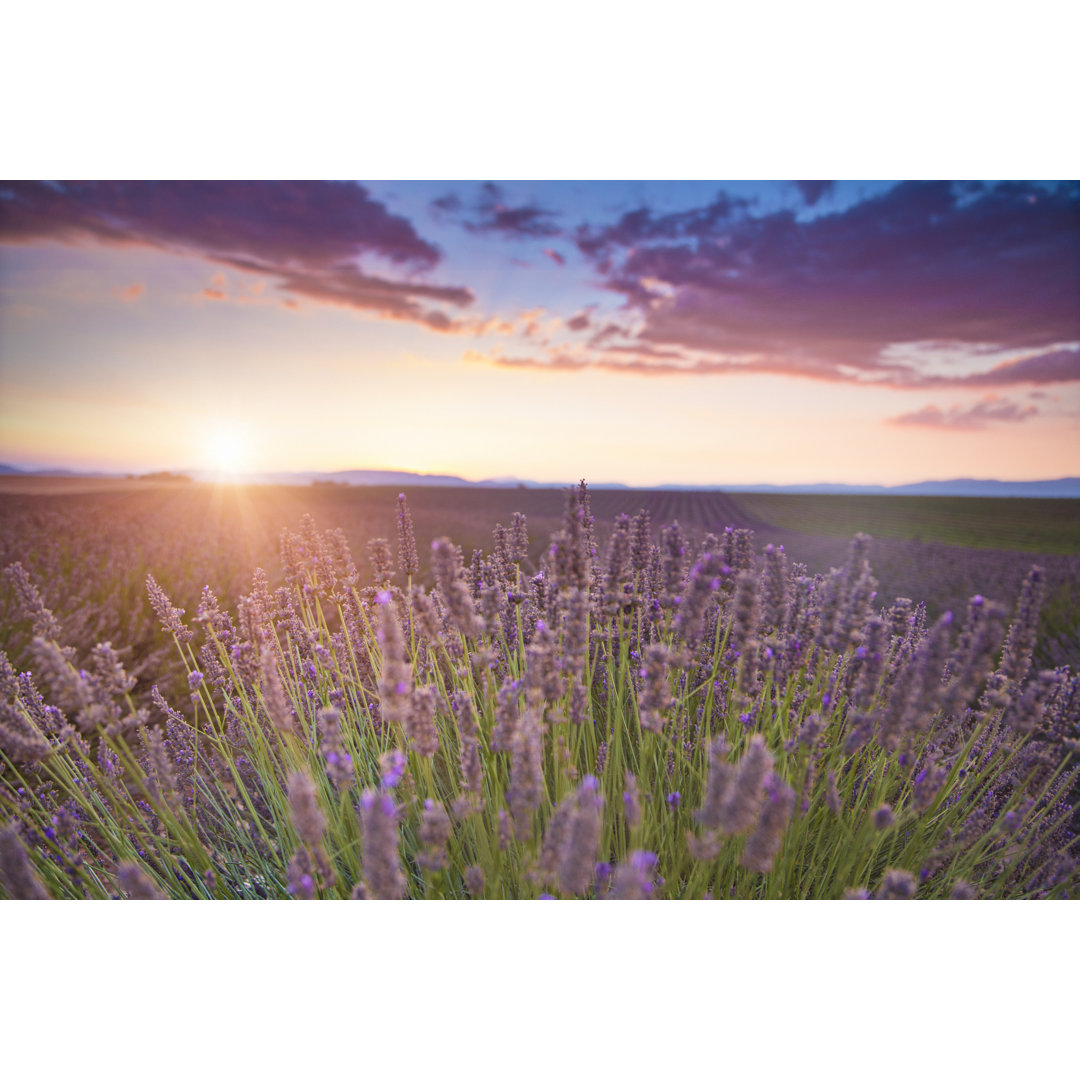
(331, 692)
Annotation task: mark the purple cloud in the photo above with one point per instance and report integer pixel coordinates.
(983, 268)
(309, 235)
(491, 213)
(972, 418)
(640, 226)
(812, 190)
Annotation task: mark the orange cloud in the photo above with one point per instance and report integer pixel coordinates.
(130, 293)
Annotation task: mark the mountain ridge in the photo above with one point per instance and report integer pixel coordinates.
(1067, 487)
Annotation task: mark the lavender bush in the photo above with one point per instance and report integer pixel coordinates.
(637, 714)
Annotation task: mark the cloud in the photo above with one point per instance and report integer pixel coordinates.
(308, 236)
(130, 293)
(555, 256)
(812, 190)
(640, 226)
(557, 362)
(989, 270)
(972, 418)
(579, 322)
(490, 213)
(1055, 366)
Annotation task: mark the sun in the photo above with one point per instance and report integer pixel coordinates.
(227, 451)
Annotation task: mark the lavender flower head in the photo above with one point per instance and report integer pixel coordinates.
(381, 861)
(897, 885)
(307, 819)
(453, 588)
(634, 879)
(171, 617)
(18, 878)
(408, 562)
(392, 768)
(768, 835)
(585, 825)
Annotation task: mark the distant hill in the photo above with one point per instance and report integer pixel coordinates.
(1065, 488)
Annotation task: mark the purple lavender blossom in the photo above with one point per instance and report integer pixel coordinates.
(634, 879)
(379, 840)
(307, 818)
(408, 563)
(18, 878)
(134, 881)
(764, 842)
(655, 698)
(897, 885)
(392, 768)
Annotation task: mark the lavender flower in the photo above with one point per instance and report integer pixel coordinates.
(18, 878)
(381, 560)
(971, 662)
(519, 538)
(507, 714)
(134, 881)
(1024, 713)
(307, 819)
(159, 768)
(634, 879)
(700, 591)
(20, 738)
(719, 785)
(474, 881)
(300, 875)
(433, 834)
(917, 694)
(425, 617)
(420, 726)
(739, 811)
(383, 875)
(619, 570)
(747, 612)
(527, 788)
(542, 665)
(1020, 641)
(884, 818)
(408, 563)
(469, 734)
(774, 588)
(395, 681)
(897, 885)
(446, 562)
(339, 765)
(33, 607)
(768, 834)
(273, 694)
(832, 794)
(673, 556)
(573, 546)
(655, 698)
(641, 546)
(583, 838)
(392, 768)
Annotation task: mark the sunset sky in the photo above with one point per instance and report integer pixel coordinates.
(644, 332)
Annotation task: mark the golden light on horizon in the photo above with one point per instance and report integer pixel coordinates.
(228, 451)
